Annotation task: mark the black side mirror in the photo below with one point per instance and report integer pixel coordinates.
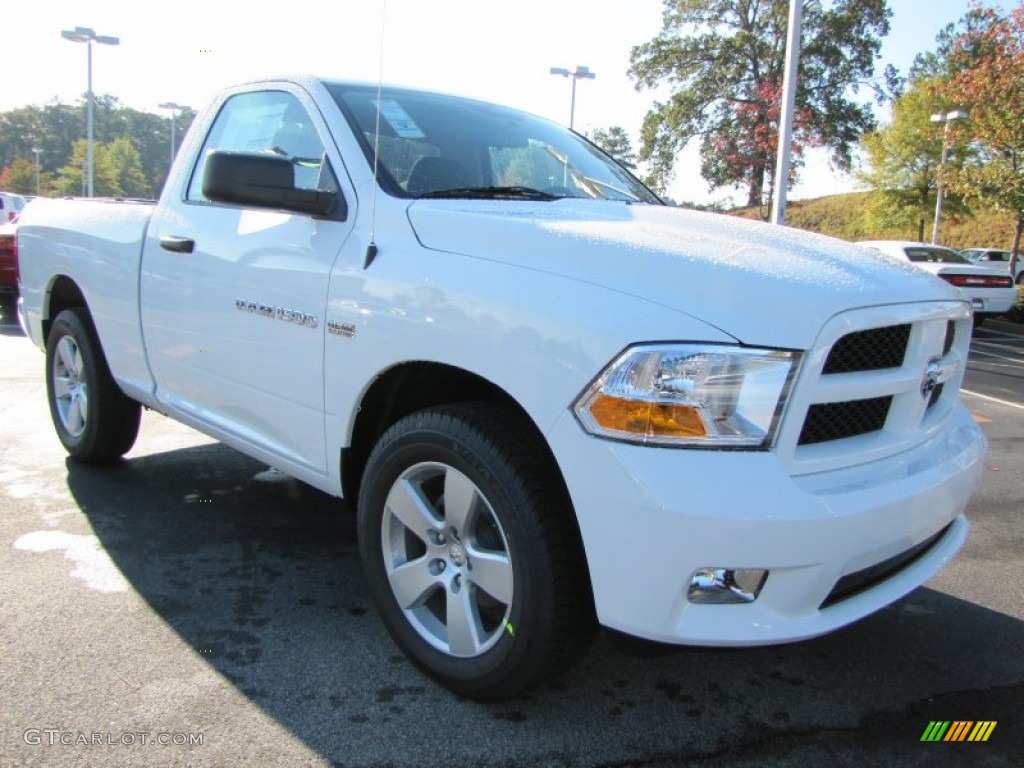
(264, 181)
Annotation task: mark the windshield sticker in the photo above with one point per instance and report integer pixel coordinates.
(399, 120)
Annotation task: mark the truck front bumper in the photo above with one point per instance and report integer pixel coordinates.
(651, 517)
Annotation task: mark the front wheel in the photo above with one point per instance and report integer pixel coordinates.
(93, 418)
(471, 552)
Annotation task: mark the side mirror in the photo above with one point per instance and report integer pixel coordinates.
(264, 181)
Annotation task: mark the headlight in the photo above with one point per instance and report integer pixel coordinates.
(707, 395)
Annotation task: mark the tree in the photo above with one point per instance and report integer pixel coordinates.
(54, 128)
(72, 176)
(987, 78)
(903, 162)
(724, 60)
(128, 168)
(20, 177)
(615, 141)
(940, 63)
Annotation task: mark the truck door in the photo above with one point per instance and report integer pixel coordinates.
(233, 298)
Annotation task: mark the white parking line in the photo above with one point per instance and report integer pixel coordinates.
(1016, 360)
(973, 365)
(991, 399)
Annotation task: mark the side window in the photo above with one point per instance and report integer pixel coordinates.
(268, 121)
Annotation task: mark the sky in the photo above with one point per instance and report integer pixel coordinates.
(185, 51)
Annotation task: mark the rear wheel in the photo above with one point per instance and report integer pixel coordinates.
(93, 418)
(471, 553)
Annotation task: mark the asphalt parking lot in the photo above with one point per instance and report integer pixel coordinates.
(189, 607)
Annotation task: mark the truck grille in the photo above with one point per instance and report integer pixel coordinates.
(950, 337)
(869, 350)
(834, 421)
(878, 381)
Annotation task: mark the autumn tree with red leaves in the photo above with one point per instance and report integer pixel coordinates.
(986, 77)
(723, 62)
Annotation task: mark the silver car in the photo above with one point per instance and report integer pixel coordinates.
(996, 257)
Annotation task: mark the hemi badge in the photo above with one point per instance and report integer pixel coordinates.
(341, 329)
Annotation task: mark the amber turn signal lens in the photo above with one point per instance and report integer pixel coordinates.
(653, 419)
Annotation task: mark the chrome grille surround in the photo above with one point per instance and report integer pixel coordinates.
(934, 362)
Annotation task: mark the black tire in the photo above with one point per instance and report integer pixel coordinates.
(518, 520)
(93, 418)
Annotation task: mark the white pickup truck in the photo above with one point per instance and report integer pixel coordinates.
(553, 401)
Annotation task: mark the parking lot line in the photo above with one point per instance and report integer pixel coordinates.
(992, 399)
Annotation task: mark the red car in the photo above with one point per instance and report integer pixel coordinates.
(8, 270)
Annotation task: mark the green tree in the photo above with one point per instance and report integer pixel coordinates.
(987, 78)
(903, 161)
(71, 179)
(54, 128)
(615, 141)
(940, 63)
(724, 60)
(128, 168)
(20, 177)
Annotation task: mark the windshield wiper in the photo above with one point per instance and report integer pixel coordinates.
(490, 193)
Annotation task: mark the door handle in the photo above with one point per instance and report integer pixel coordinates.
(177, 244)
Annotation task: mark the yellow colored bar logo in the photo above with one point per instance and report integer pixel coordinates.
(959, 730)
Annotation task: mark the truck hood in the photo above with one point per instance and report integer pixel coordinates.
(761, 284)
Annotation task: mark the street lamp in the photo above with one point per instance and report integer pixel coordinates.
(36, 150)
(175, 108)
(581, 73)
(88, 36)
(947, 118)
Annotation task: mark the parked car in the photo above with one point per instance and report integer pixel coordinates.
(552, 400)
(8, 269)
(990, 289)
(995, 257)
(10, 205)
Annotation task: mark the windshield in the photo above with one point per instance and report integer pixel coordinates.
(935, 255)
(444, 146)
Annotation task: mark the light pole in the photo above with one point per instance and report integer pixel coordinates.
(88, 36)
(947, 118)
(581, 73)
(796, 9)
(175, 108)
(36, 150)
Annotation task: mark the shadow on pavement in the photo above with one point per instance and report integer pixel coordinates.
(261, 574)
(8, 329)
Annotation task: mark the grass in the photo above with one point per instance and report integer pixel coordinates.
(844, 216)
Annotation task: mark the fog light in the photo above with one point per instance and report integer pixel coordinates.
(725, 586)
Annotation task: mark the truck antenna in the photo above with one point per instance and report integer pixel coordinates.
(371, 249)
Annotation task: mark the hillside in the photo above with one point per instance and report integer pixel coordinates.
(842, 216)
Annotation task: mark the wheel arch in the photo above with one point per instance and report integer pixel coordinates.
(62, 294)
(413, 386)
